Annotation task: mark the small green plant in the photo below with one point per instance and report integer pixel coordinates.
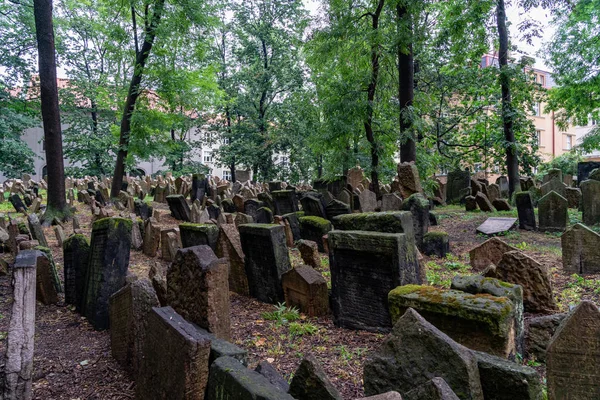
(523, 246)
(514, 235)
(300, 329)
(282, 314)
(454, 263)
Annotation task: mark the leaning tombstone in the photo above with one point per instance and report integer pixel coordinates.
(129, 310)
(365, 266)
(198, 289)
(151, 238)
(229, 247)
(580, 250)
(458, 186)
(36, 230)
(176, 359)
(525, 211)
(76, 251)
(266, 260)
(109, 260)
(179, 207)
(313, 206)
(284, 201)
(552, 212)
(310, 382)
(573, 356)
(368, 201)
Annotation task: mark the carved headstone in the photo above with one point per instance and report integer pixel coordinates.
(580, 250)
(552, 212)
(306, 289)
(76, 251)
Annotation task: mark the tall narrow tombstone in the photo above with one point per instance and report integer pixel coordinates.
(176, 359)
(229, 247)
(36, 230)
(573, 356)
(47, 287)
(151, 238)
(198, 289)
(76, 254)
(580, 250)
(179, 207)
(590, 204)
(199, 234)
(165, 249)
(502, 182)
(284, 202)
(525, 211)
(408, 177)
(109, 261)
(129, 309)
(293, 220)
(418, 206)
(365, 266)
(17, 203)
(266, 259)
(552, 212)
(458, 186)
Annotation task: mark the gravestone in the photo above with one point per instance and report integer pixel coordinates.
(493, 192)
(35, 228)
(436, 244)
(107, 269)
(484, 203)
(314, 228)
(310, 382)
(408, 177)
(198, 289)
(580, 250)
(502, 182)
(268, 371)
(496, 225)
(251, 207)
(228, 206)
(584, 169)
(129, 309)
(390, 202)
(573, 356)
(229, 247)
(501, 205)
(418, 206)
(309, 251)
(553, 184)
(284, 202)
(484, 323)
(365, 266)
(47, 283)
(355, 176)
(519, 269)
(573, 196)
(553, 173)
(199, 234)
(176, 359)
(313, 206)
(590, 202)
(435, 389)
(266, 259)
(415, 352)
(470, 203)
(200, 187)
(142, 209)
(552, 213)
(368, 201)
(238, 201)
(169, 243)
(17, 203)
(306, 289)
(264, 215)
(540, 330)
(525, 211)
(489, 252)
(180, 209)
(151, 238)
(76, 251)
(336, 207)
(458, 186)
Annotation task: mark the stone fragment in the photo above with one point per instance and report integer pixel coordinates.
(501, 205)
(414, 353)
(573, 356)
(306, 289)
(435, 389)
(268, 371)
(309, 251)
(539, 332)
(384, 396)
(496, 225)
(198, 289)
(310, 382)
(408, 177)
(480, 322)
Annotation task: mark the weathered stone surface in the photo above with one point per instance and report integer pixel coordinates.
(580, 250)
(151, 238)
(539, 333)
(384, 396)
(199, 234)
(458, 182)
(493, 192)
(176, 359)
(266, 259)
(573, 196)
(306, 289)
(198, 289)
(436, 244)
(284, 202)
(480, 322)
(310, 382)
(314, 228)
(495, 225)
(525, 211)
(264, 215)
(268, 371)
(414, 353)
(47, 281)
(368, 201)
(309, 251)
(501, 205)
(229, 247)
(470, 203)
(555, 185)
(336, 207)
(109, 261)
(573, 356)
(489, 252)
(230, 380)
(484, 203)
(158, 277)
(35, 228)
(391, 202)
(408, 177)
(505, 380)
(515, 267)
(418, 206)
(313, 206)
(365, 266)
(552, 212)
(386, 222)
(179, 207)
(435, 389)
(129, 309)
(590, 205)
(76, 253)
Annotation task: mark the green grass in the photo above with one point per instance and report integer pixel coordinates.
(282, 314)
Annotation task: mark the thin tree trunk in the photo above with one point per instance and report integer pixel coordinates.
(370, 100)
(57, 203)
(512, 159)
(406, 84)
(132, 96)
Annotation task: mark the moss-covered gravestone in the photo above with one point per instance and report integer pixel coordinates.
(229, 246)
(266, 259)
(313, 206)
(199, 234)
(284, 202)
(418, 205)
(76, 254)
(251, 207)
(480, 322)
(365, 266)
(552, 212)
(109, 261)
(436, 244)
(580, 250)
(35, 227)
(590, 201)
(435, 389)
(179, 207)
(314, 228)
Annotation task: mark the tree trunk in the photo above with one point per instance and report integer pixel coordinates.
(370, 99)
(57, 203)
(512, 159)
(406, 84)
(132, 96)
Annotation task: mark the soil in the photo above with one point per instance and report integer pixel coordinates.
(73, 361)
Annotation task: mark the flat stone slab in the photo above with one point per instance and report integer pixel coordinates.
(495, 225)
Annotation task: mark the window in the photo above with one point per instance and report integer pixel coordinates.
(208, 158)
(537, 109)
(227, 175)
(542, 79)
(569, 142)
(207, 136)
(226, 140)
(43, 145)
(538, 135)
